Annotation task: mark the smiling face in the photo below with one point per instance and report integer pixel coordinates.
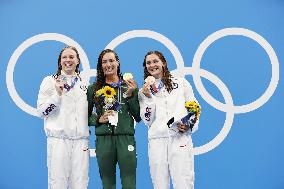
(109, 64)
(154, 65)
(69, 61)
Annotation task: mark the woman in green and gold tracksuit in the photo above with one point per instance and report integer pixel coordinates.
(116, 104)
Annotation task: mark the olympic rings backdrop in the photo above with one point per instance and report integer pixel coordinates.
(230, 51)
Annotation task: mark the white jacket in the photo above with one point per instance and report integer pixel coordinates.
(158, 110)
(65, 116)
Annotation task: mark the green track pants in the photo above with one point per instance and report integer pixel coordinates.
(113, 149)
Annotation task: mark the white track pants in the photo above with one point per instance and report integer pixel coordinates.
(68, 163)
(171, 157)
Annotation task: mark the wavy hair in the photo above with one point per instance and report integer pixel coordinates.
(101, 78)
(166, 78)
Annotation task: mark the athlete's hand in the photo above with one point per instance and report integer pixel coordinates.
(59, 86)
(182, 127)
(146, 90)
(131, 84)
(104, 117)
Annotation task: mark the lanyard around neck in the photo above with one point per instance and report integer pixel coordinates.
(116, 85)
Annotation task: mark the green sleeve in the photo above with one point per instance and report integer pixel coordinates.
(92, 118)
(133, 105)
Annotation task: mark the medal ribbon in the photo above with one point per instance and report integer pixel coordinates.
(115, 85)
(69, 87)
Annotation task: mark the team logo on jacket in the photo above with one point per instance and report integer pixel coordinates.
(83, 87)
(148, 114)
(130, 148)
(175, 85)
(48, 109)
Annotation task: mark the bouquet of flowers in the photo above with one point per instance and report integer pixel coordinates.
(190, 119)
(193, 107)
(107, 94)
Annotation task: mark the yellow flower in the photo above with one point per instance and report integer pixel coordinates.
(108, 92)
(193, 106)
(99, 92)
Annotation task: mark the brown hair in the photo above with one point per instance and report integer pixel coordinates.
(166, 78)
(100, 80)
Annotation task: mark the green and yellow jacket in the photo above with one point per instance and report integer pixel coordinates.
(129, 109)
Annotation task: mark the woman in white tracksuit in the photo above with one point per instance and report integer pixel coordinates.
(170, 151)
(62, 102)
